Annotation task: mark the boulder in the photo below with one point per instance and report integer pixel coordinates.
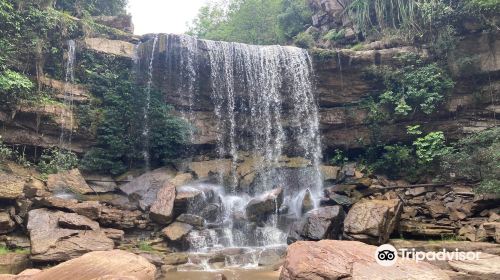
(372, 221)
(307, 202)
(89, 209)
(57, 236)
(176, 231)
(333, 259)
(101, 184)
(161, 210)
(13, 263)
(267, 203)
(116, 235)
(189, 199)
(321, 223)
(11, 186)
(330, 173)
(176, 258)
(6, 223)
(144, 188)
(112, 47)
(436, 209)
(486, 267)
(122, 219)
(181, 179)
(34, 188)
(271, 255)
(68, 181)
(109, 265)
(194, 220)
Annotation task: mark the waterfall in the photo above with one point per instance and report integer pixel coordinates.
(145, 131)
(68, 99)
(261, 105)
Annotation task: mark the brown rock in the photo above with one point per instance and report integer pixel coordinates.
(486, 267)
(11, 186)
(330, 173)
(372, 220)
(112, 47)
(13, 263)
(35, 188)
(6, 223)
(176, 231)
(144, 188)
(424, 229)
(176, 258)
(115, 234)
(333, 259)
(72, 181)
(162, 208)
(265, 204)
(101, 265)
(436, 209)
(181, 179)
(58, 236)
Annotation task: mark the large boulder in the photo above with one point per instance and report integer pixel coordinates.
(162, 209)
(58, 236)
(109, 265)
(144, 188)
(11, 186)
(321, 223)
(267, 203)
(176, 231)
(372, 221)
(68, 181)
(333, 259)
(89, 209)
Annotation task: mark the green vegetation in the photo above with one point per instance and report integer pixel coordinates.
(261, 22)
(56, 160)
(13, 88)
(4, 250)
(304, 40)
(145, 246)
(476, 158)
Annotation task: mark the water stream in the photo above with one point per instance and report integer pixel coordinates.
(67, 121)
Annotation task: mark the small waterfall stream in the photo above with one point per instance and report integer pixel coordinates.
(145, 131)
(263, 107)
(67, 121)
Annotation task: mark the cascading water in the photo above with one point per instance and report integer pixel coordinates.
(68, 99)
(145, 131)
(263, 108)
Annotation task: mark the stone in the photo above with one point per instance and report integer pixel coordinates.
(194, 220)
(68, 181)
(122, 219)
(57, 236)
(307, 202)
(436, 209)
(334, 259)
(168, 268)
(468, 232)
(266, 204)
(115, 264)
(176, 258)
(181, 179)
(205, 169)
(116, 235)
(121, 22)
(144, 188)
(11, 186)
(161, 210)
(153, 258)
(101, 184)
(486, 267)
(189, 199)
(338, 199)
(176, 231)
(211, 212)
(416, 191)
(424, 229)
(271, 255)
(6, 223)
(364, 182)
(34, 188)
(112, 47)
(323, 223)
(14, 263)
(330, 173)
(372, 221)
(89, 209)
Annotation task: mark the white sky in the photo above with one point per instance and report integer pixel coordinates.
(163, 16)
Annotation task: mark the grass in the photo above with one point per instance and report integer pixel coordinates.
(4, 250)
(357, 47)
(144, 246)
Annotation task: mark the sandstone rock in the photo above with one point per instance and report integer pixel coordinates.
(333, 259)
(122, 219)
(330, 172)
(101, 184)
(189, 199)
(468, 232)
(111, 47)
(265, 204)
(6, 223)
(89, 209)
(271, 256)
(13, 263)
(116, 235)
(176, 231)
(161, 210)
(34, 188)
(191, 219)
(181, 179)
(115, 264)
(205, 169)
(144, 188)
(71, 181)
(487, 267)
(436, 209)
(176, 258)
(337, 199)
(58, 236)
(372, 221)
(424, 229)
(321, 223)
(11, 186)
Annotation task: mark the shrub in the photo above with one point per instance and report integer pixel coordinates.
(304, 40)
(14, 87)
(6, 152)
(56, 160)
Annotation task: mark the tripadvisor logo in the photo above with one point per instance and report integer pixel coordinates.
(387, 255)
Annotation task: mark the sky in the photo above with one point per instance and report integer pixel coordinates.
(163, 16)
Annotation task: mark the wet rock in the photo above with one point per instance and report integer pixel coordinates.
(68, 181)
(337, 199)
(181, 179)
(323, 223)
(295, 232)
(13, 263)
(115, 264)
(211, 212)
(122, 219)
(271, 256)
(194, 220)
(176, 231)
(330, 173)
(176, 258)
(189, 199)
(266, 204)
(333, 259)
(372, 221)
(11, 186)
(205, 169)
(6, 223)
(144, 188)
(168, 268)
(307, 202)
(162, 208)
(58, 236)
